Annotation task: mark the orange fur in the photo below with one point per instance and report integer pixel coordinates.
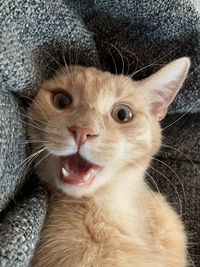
(82, 233)
(117, 220)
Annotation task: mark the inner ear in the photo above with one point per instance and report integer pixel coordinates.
(163, 86)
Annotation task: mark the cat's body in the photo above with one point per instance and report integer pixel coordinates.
(89, 233)
(101, 137)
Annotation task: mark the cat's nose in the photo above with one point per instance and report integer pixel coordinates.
(81, 134)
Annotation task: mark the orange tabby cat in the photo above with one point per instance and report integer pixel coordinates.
(95, 134)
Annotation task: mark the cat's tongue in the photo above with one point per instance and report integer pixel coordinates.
(78, 171)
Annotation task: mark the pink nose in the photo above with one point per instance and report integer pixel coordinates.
(81, 134)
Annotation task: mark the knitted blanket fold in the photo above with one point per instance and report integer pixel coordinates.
(128, 36)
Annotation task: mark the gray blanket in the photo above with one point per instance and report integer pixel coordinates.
(127, 36)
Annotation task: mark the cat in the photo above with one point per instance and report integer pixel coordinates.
(95, 134)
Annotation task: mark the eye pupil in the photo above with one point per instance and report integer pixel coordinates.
(122, 115)
(62, 101)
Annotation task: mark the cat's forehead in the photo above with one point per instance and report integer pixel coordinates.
(91, 82)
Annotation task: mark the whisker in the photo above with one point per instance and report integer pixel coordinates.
(42, 129)
(145, 67)
(47, 155)
(54, 70)
(113, 61)
(175, 189)
(35, 103)
(32, 141)
(180, 145)
(191, 260)
(183, 115)
(177, 150)
(26, 160)
(120, 54)
(32, 125)
(34, 118)
(137, 60)
(191, 73)
(70, 56)
(59, 65)
(153, 63)
(179, 179)
(64, 59)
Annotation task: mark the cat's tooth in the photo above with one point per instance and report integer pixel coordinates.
(86, 177)
(64, 172)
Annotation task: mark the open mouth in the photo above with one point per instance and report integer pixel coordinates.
(76, 170)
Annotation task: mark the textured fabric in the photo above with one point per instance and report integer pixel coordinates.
(12, 148)
(129, 36)
(19, 229)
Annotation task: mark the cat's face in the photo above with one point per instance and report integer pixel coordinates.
(92, 125)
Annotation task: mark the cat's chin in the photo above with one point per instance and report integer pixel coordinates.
(83, 190)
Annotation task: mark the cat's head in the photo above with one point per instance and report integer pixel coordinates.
(92, 126)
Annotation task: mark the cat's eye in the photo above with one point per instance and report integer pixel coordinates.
(122, 113)
(62, 101)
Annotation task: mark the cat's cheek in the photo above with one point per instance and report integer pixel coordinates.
(99, 157)
(66, 149)
(48, 171)
(136, 145)
(86, 152)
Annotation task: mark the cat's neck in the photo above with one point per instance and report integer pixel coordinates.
(124, 198)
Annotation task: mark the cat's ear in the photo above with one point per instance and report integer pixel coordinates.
(163, 85)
